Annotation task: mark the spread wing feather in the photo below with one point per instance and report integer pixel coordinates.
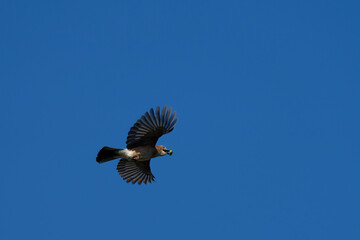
(150, 127)
(135, 171)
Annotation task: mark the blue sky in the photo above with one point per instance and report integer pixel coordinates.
(267, 95)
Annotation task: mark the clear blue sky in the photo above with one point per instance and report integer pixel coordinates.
(267, 95)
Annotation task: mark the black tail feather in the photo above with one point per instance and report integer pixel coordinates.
(107, 154)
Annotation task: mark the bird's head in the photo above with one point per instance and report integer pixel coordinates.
(162, 151)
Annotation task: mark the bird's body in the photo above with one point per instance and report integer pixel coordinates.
(134, 165)
(142, 153)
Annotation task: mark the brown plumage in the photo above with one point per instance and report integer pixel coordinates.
(134, 165)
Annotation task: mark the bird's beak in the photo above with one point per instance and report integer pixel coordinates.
(170, 152)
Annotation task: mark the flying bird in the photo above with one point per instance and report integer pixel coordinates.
(134, 165)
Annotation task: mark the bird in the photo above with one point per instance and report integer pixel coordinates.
(134, 164)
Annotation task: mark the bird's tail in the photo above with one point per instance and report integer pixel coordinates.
(107, 154)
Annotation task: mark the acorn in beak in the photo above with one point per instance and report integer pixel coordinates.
(169, 152)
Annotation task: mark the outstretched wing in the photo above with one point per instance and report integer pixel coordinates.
(135, 171)
(152, 125)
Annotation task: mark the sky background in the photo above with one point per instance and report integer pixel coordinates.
(267, 95)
